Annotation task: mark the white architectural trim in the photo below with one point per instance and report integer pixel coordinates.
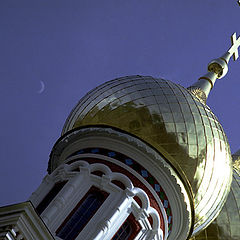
(111, 214)
(129, 169)
(20, 222)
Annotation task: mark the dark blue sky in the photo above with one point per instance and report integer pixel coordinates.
(73, 46)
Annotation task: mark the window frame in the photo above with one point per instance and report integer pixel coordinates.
(134, 225)
(92, 191)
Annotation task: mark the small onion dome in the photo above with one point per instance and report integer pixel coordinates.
(226, 225)
(173, 121)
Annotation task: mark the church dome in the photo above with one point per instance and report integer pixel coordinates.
(173, 121)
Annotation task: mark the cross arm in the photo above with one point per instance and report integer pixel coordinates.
(235, 45)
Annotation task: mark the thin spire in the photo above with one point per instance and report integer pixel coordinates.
(217, 69)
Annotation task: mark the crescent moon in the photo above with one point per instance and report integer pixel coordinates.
(42, 87)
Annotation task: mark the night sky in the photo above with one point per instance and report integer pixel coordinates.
(73, 46)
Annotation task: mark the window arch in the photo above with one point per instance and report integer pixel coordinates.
(81, 214)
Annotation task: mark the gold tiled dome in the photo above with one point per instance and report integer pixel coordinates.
(173, 121)
(226, 225)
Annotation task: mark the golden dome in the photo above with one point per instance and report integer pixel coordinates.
(226, 225)
(173, 121)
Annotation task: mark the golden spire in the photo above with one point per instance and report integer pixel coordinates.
(217, 69)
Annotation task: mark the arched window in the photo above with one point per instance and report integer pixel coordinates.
(81, 214)
(129, 229)
(50, 196)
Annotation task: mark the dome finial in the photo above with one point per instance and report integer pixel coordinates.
(217, 69)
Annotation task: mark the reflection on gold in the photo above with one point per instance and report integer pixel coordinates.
(237, 165)
(226, 225)
(236, 159)
(173, 121)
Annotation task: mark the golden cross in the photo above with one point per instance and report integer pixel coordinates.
(235, 45)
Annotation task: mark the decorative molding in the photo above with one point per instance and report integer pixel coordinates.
(143, 172)
(21, 222)
(114, 213)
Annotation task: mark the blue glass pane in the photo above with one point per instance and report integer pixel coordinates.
(81, 216)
